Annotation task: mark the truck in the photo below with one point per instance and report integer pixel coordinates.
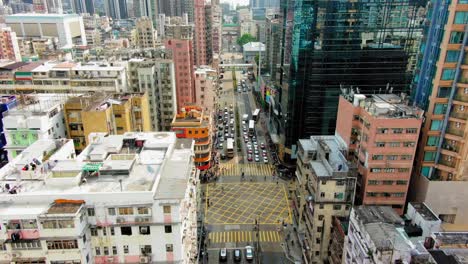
(245, 117)
(251, 128)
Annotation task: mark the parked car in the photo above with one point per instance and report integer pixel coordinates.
(223, 254)
(237, 255)
(249, 253)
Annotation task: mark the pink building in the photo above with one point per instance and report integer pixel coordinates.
(382, 133)
(183, 63)
(200, 33)
(9, 48)
(205, 88)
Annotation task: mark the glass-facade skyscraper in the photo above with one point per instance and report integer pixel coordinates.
(327, 44)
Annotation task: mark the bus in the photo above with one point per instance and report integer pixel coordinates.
(255, 114)
(251, 127)
(230, 148)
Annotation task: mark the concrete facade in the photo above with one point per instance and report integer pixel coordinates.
(9, 50)
(205, 88)
(69, 29)
(325, 188)
(200, 36)
(382, 133)
(146, 35)
(126, 199)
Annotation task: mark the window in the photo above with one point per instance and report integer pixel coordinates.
(319, 229)
(104, 231)
(93, 231)
(339, 195)
(372, 182)
(392, 157)
(27, 244)
(436, 124)
(320, 217)
(448, 74)
(443, 92)
(457, 37)
(146, 249)
(125, 249)
(377, 157)
(91, 212)
(143, 210)
(97, 251)
(126, 230)
(440, 109)
(425, 171)
(106, 251)
(317, 240)
(398, 194)
(432, 141)
(321, 206)
(111, 211)
(429, 155)
(169, 248)
(406, 157)
(461, 17)
(167, 229)
(380, 144)
(403, 170)
(322, 194)
(401, 182)
(62, 244)
(409, 144)
(125, 210)
(317, 253)
(388, 182)
(114, 250)
(337, 207)
(382, 130)
(448, 218)
(145, 230)
(167, 209)
(452, 56)
(112, 231)
(397, 130)
(463, 2)
(394, 144)
(411, 130)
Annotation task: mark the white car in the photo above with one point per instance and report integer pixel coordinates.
(248, 253)
(249, 145)
(265, 160)
(257, 158)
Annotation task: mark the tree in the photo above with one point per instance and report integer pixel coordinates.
(244, 39)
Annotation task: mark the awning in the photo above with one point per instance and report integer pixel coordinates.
(91, 167)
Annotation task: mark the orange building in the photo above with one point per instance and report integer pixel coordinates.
(382, 134)
(191, 122)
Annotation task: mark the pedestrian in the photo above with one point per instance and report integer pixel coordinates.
(276, 182)
(264, 178)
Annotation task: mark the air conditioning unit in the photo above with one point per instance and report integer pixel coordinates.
(120, 219)
(110, 259)
(146, 219)
(145, 259)
(450, 176)
(144, 230)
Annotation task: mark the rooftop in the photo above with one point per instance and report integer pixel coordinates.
(254, 46)
(328, 157)
(424, 211)
(132, 162)
(377, 214)
(386, 105)
(37, 103)
(65, 207)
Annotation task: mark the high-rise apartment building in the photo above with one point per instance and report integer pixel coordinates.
(145, 34)
(273, 35)
(127, 198)
(157, 78)
(205, 88)
(364, 44)
(117, 9)
(382, 133)
(200, 34)
(82, 6)
(192, 122)
(172, 8)
(441, 172)
(7, 102)
(325, 188)
(9, 48)
(264, 3)
(63, 77)
(112, 114)
(68, 28)
(37, 116)
(147, 8)
(179, 39)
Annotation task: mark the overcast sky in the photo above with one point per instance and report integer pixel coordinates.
(235, 2)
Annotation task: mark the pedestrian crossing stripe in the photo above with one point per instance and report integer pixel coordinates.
(232, 169)
(243, 236)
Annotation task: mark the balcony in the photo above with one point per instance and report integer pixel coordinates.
(459, 115)
(449, 147)
(461, 97)
(455, 131)
(447, 163)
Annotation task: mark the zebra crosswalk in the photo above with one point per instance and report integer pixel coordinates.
(243, 236)
(232, 169)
